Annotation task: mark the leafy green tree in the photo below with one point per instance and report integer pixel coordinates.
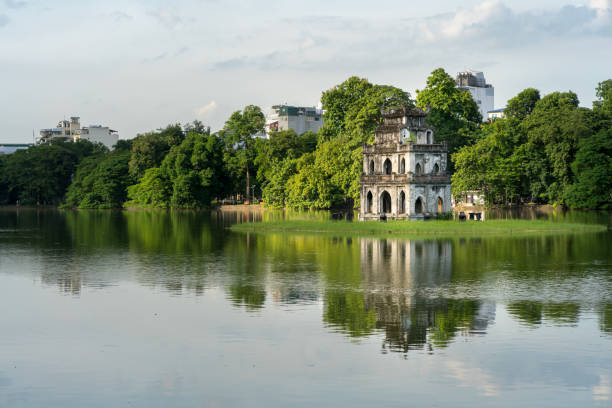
(274, 192)
(149, 149)
(328, 178)
(522, 104)
(41, 174)
(494, 164)
(101, 181)
(604, 96)
(353, 108)
(452, 111)
(282, 146)
(238, 134)
(593, 170)
(153, 190)
(190, 176)
(553, 131)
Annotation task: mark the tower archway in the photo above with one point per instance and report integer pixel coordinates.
(387, 166)
(371, 168)
(440, 206)
(436, 169)
(418, 169)
(403, 166)
(369, 202)
(385, 202)
(418, 206)
(402, 203)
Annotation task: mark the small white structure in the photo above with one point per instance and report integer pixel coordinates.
(483, 93)
(496, 114)
(71, 130)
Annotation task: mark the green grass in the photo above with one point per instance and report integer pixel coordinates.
(420, 228)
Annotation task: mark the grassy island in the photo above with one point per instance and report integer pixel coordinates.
(419, 228)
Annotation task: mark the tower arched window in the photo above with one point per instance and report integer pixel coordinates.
(436, 169)
(371, 167)
(417, 170)
(403, 166)
(387, 167)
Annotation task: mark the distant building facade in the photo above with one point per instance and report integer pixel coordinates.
(10, 148)
(496, 114)
(72, 130)
(483, 93)
(405, 172)
(301, 119)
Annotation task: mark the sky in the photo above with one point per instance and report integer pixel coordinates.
(140, 65)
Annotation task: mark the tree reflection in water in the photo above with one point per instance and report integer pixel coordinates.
(415, 294)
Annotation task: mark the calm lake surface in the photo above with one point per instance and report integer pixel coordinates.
(171, 309)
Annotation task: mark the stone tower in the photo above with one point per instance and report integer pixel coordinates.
(404, 173)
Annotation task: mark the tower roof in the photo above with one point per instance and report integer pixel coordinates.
(403, 112)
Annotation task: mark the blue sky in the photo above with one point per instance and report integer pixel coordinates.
(139, 65)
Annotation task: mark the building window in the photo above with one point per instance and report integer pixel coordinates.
(387, 166)
(417, 169)
(436, 169)
(402, 203)
(403, 166)
(371, 166)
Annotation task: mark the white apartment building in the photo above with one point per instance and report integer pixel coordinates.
(483, 93)
(72, 130)
(301, 119)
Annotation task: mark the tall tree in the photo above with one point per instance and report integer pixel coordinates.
(554, 129)
(593, 173)
(239, 136)
(354, 107)
(149, 149)
(522, 104)
(452, 111)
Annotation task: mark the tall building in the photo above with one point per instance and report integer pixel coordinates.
(483, 93)
(404, 172)
(301, 119)
(72, 130)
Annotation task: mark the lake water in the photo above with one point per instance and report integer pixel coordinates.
(160, 309)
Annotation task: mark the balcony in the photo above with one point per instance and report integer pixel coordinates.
(405, 178)
(404, 147)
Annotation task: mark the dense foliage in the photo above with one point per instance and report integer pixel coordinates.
(41, 174)
(548, 149)
(452, 111)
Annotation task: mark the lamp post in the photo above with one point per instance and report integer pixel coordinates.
(253, 192)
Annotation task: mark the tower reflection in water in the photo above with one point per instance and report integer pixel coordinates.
(404, 280)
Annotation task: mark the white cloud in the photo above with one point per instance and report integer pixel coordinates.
(15, 3)
(167, 16)
(207, 109)
(473, 377)
(120, 16)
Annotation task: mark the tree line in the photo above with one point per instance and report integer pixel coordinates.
(547, 149)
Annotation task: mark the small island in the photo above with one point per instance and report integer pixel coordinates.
(436, 228)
